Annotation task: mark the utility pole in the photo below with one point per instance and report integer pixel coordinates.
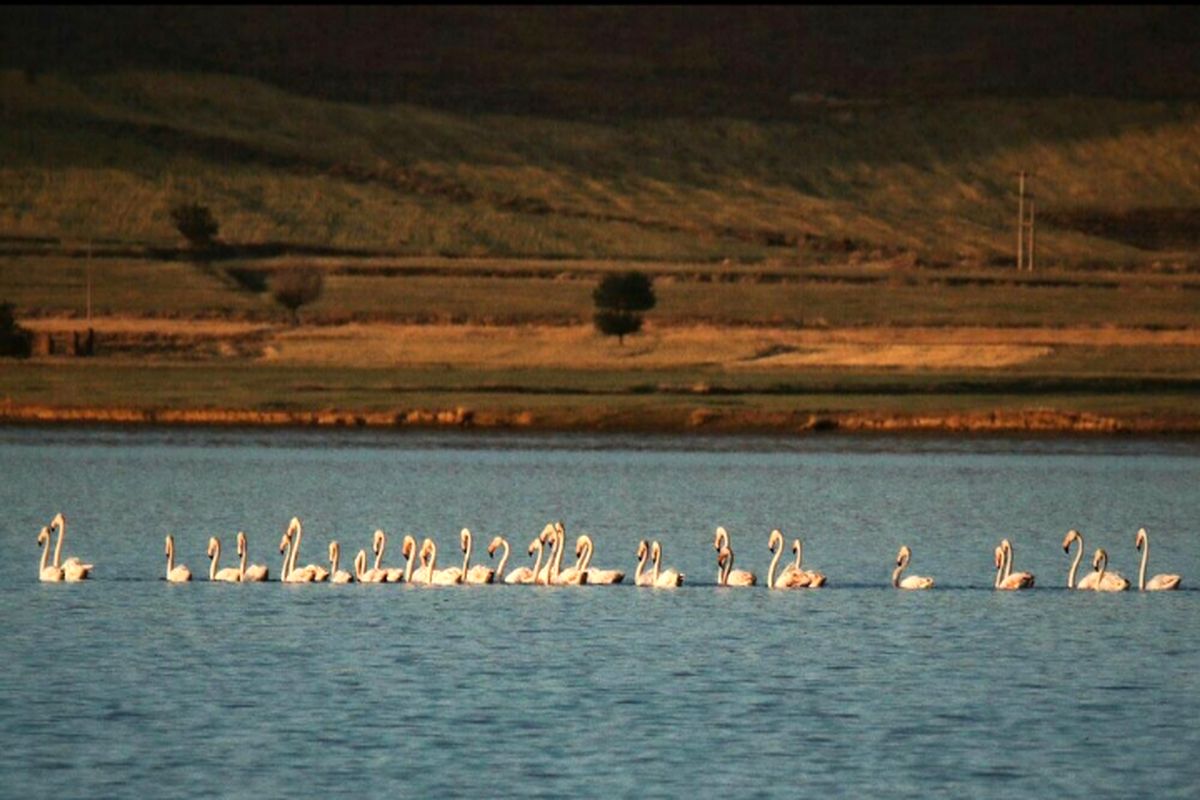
(1021, 221)
(1025, 234)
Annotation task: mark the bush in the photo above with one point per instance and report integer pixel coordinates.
(14, 340)
(293, 288)
(620, 299)
(196, 223)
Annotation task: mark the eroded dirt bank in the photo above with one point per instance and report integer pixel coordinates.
(670, 420)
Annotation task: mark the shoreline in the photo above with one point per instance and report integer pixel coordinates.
(698, 421)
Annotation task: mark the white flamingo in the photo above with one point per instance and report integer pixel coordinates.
(1006, 579)
(788, 579)
(176, 573)
(663, 579)
(1162, 582)
(449, 576)
(1099, 563)
(912, 581)
(603, 577)
(338, 575)
(379, 545)
(47, 572)
(73, 568)
(726, 574)
(255, 573)
(479, 573)
(227, 575)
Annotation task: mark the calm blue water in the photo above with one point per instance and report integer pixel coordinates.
(129, 687)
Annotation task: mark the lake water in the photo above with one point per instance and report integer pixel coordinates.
(127, 686)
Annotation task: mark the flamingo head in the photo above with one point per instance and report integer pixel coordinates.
(1101, 557)
(775, 540)
(719, 538)
(642, 549)
(903, 556)
(1071, 536)
(408, 546)
(494, 545)
(1139, 539)
(283, 543)
(213, 544)
(724, 556)
(58, 522)
(464, 539)
(43, 536)
(999, 557)
(241, 543)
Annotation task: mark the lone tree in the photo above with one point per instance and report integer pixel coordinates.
(297, 287)
(620, 299)
(196, 223)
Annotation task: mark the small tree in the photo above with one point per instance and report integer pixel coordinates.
(14, 340)
(293, 288)
(620, 300)
(196, 223)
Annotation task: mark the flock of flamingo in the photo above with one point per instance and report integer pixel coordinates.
(421, 564)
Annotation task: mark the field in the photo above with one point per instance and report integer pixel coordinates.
(840, 261)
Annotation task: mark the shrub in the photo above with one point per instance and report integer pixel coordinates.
(14, 340)
(195, 222)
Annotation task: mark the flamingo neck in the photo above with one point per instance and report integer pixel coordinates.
(1100, 571)
(335, 551)
(503, 560)
(1008, 561)
(242, 563)
(537, 564)
(45, 556)
(295, 549)
(1145, 560)
(641, 567)
(429, 567)
(896, 574)
(381, 538)
(466, 553)
(724, 578)
(799, 554)
(170, 555)
(360, 564)
(560, 544)
(774, 563)
(216, 556)
(656, 554)
(62, 532)
(1075, 564)
(721, 540)
(408, 562)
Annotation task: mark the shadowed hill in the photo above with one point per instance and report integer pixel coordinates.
(619, 62)
(104, 156)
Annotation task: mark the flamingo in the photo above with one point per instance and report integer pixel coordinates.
(727, 575)
(73, 569)
(667, 579)
(176, 573)
(1159, 583)
(338, 575)
(434, 576)
(255, 572)
(912, 581)
(815, 579)
(1006, 579)
(606, 577)
(1099, 562)
(227, 575)
(478, 573)
(390, 574)
(47, 572)
(788, 579)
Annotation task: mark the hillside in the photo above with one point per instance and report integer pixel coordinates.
(103, 157)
